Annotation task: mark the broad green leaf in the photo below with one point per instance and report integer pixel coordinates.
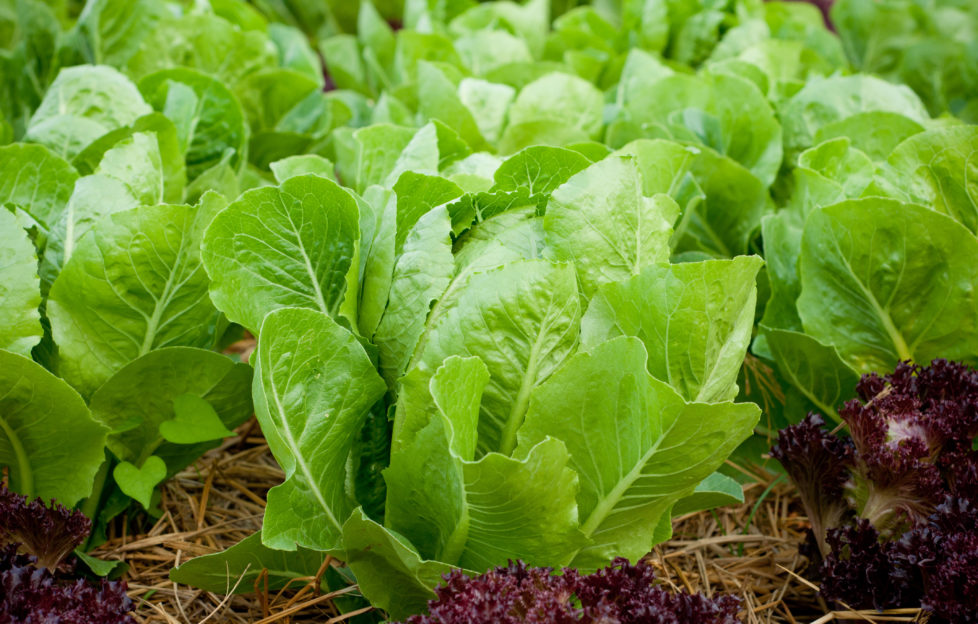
(723, 112)
(134, 284)
(827, 101)
(49, 442)
(82, 104)
(300, 165)
(540, 169)
(838, 160)
(194, 420)
(285, 246)
(36, 180)
(579, 111)
(134, 416)
(20, 288)
(451, 507)
(314, 385)
(389, 571)
(522, 321)
(875, 133)
(130, 174)
(717, 490)
(113, 29)
(213, 123)
(489, 104)
(235, 570)
(695, 320)
(782, 245)
(816, 370)
(939, 169)
(139, 481)
(374, 152)
(636, 445)
(884, 281)
(422, 273)
(484, 50)
(610, 231)
(438, 98)
(205, 43)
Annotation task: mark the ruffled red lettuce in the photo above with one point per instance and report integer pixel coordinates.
(893, 508)
(619, 594)
(36, 581)
(49, 533)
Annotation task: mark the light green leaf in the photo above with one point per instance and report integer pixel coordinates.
(135, 416)
(422, 273)
(717, 490)
(313, 387)
(939, 169)
(113, 29)
(140, 482)
(214, 125)
(910, 294)
(49, 442)
(285, 246)
(82, 104)
(37, 180)
(827, 101)
(489, 104)
(522, 321)
(205, 43)
(134, 284)
(695, 320)
(636, 445)
(726, 113)
(300, 165)
(194, 420)
(540, 169)
(581, 106)
(816, 370)
(20, 288)
(875, 133)
(389, 571)
(610, 231)
(438, 98)
(236, 569)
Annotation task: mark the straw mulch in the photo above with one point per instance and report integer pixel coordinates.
(749, 550)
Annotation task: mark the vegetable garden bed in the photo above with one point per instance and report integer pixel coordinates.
(360, 310)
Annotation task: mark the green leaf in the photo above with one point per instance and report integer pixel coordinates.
(212, 122)
(129, 174)
(579, 114)
(287, 246)
(540, 169)
(875, 133)
(235, 570)
(314, 385)
(113, 29)
(522, 321)
(204, 43)
(939, 169)
(82, 104)
(300, 165)
(134, 284)
(726, 113)
(389, 571)
(140, 482)
(194, 421)
(489, 104)
(717, 490)
(695, 320)
(37, 180)
(112, 568)
(451, 507)
(637, 446)
(135, 417)
(49, 442)
(910, 294)
(815, 369)
(20, 293)
(610, 231)
(422, 273)
(829, 100)
(438, 99)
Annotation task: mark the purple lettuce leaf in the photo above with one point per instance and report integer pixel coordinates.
(47, 533)
(818, 464)
(619, 594)
(33, 595)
